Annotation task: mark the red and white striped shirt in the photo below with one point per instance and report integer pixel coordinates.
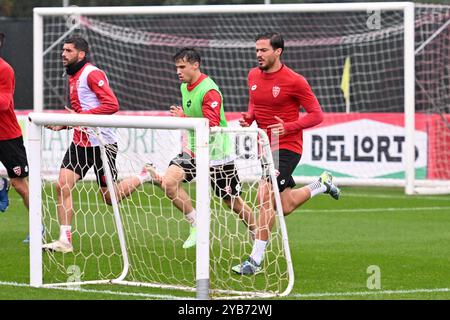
(90, 93)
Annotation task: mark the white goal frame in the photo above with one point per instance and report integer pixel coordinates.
(202, 133)
(201, 128)
(409, 183)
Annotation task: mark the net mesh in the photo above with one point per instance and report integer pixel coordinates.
(154, 228)
(317, 46)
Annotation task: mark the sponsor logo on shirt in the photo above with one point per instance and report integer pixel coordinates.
(101, 83)
(275, 91)
(188, 104)
(254, 87)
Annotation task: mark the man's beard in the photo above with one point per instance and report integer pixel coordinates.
(73, 68)
(267, 66)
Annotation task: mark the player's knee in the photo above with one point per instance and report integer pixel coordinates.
(169, 186)
(287, 208)
(62, 188)
(263, 196)
(107, 199)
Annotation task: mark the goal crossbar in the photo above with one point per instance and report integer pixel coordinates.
(408, 52)
(199, 9)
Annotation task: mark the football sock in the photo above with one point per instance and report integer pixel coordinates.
(190, 217)
(65, 234)
(259, 248)
(316, 188)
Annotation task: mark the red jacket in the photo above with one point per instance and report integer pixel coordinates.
(9, 127)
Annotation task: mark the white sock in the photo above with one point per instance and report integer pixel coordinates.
(190, 217)
(259, 247)
(316, 188)
(142, 178)
(65, 234)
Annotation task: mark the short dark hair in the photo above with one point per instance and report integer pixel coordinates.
(276, 39)
(79, 43)
(2, 38)
(189, 54)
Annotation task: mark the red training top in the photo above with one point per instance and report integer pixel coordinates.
(283, 93)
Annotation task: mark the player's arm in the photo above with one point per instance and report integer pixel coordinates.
(176, 111)
(248, 117)
(309, 102)
(212, 103)
(6, 88)
(98, 83)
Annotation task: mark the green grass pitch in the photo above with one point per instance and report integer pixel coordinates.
(334, 245)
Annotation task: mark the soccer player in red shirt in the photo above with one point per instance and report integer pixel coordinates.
(90, 93)
(276, 94)
(12, 151)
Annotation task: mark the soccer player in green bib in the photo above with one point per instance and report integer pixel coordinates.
(201, 97)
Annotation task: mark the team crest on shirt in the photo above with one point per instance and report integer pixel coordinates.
(276, 91)
(17, 170)
(227, 189)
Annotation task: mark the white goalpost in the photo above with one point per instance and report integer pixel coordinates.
(395, 96)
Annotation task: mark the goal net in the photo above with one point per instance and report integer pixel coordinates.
(380, 71)
(138, 240)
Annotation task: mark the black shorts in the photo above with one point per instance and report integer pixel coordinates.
(224, 178)
(81, 159)
(285, 162)
(14, 157)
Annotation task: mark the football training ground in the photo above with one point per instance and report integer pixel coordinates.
(374, 243)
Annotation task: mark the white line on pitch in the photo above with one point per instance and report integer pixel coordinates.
(367, 293)
(107, 292)
(386, 196)
(374, 209)
(306, 295)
